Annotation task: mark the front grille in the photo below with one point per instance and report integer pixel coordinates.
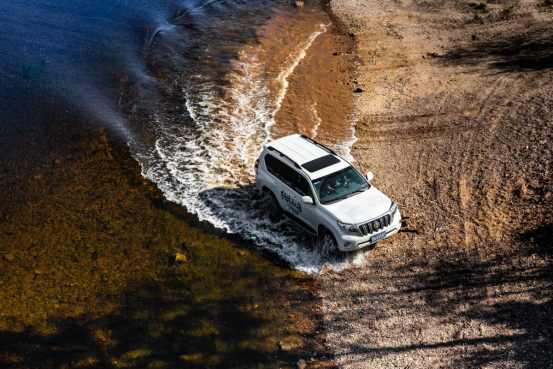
(375, 225)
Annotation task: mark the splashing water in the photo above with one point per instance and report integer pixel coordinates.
(207, 166)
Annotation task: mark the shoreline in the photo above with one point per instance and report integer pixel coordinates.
(320, 100)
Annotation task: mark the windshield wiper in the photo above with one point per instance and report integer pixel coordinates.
(362, 189)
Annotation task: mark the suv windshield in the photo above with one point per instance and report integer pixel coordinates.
(340, 185)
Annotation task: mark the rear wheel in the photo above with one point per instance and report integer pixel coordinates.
(275, 206)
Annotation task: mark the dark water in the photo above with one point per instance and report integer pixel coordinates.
(72, 53)
(81, 53)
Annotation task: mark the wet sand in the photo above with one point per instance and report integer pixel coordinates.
(455, 122)
(320, 102)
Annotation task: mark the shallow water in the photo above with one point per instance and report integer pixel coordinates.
(195, 89)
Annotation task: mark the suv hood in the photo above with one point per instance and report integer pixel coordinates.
(360, 208)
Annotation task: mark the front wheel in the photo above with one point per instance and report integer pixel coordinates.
(327, 243)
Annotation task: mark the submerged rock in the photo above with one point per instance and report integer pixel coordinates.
(9, 257)
(299, 4)
(301, 364)
(180, 258)
(285, 345)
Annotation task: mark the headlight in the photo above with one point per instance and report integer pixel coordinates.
(393, 209)
(347, 227)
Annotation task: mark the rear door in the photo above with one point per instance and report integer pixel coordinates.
(282, 179)
(289, 186)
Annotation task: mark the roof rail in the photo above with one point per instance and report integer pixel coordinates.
(318, 144)
(284, 156)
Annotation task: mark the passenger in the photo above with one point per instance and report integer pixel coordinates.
(347, 180)
(328, 188)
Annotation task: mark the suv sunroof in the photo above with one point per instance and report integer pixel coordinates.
(320, 163)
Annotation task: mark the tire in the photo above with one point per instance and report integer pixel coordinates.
(275, 206)
(327, 243)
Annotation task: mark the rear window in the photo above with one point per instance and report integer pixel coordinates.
(280, 170)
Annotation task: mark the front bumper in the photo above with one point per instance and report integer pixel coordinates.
(352, 242)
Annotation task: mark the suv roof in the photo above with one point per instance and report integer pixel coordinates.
(316, 159)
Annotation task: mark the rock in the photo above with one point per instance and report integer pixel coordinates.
(180, 258)
(285, 345)
(9, 257)
(325, 270)
(337, 53)
(358, 90)
(299, 4)
(434, 55)
(301, 364)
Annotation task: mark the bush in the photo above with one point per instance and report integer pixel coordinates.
(507, 12)
(482, 5)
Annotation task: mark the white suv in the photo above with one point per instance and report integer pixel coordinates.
(324, 193)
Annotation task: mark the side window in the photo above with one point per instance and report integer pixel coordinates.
(280, 170)
(302, 186)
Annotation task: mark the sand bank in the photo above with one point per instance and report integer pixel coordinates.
(455, 122)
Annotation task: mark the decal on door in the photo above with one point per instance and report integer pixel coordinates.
(293, 205)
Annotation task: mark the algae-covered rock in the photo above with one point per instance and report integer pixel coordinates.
(286, 345)
(180, 258)
(9, 257)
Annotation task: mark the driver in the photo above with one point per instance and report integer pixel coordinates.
(344, 181)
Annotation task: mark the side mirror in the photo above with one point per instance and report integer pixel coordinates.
(307, 200)
(370, 176)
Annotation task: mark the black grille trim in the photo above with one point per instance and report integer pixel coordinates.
(375, 225)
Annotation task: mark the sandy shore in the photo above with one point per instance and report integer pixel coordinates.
(455, 121)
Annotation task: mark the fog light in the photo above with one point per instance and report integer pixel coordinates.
(346, 244)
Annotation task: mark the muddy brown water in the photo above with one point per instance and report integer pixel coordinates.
(198, 133)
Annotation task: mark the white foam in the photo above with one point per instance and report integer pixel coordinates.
(315, 129)
(347, 146)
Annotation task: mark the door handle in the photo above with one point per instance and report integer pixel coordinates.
(276, 184)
